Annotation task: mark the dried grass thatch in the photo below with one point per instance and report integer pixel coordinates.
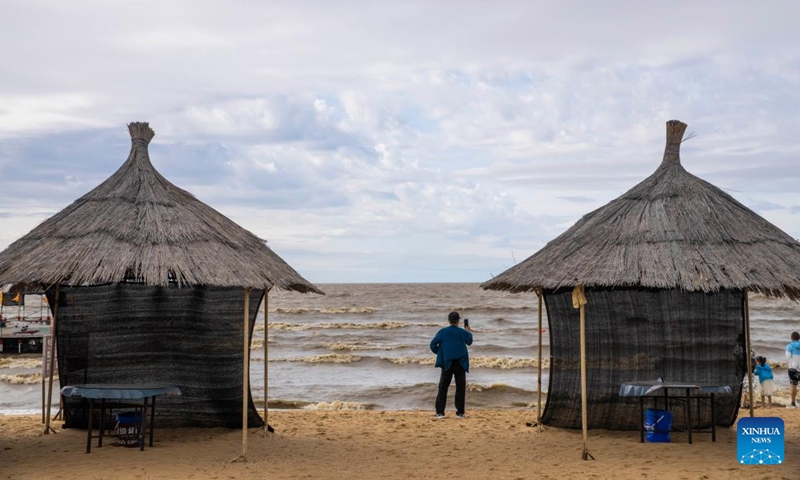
(137, 226)
(671, 231)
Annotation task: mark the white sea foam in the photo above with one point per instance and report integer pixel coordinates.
(340, 310)
(337, 405)
(22, 378)
(357, 346)
(288, 326)
(21, 411)
(296, 310)
(10, 362)
(357, 326)
(429, 360)
(326, 358)
(504, 363)
(343, 326)
(325, 310)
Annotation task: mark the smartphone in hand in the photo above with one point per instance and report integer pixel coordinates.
(466, 323)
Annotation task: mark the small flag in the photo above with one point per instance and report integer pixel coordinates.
(16, 298)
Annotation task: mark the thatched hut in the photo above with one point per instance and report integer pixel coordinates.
(665, 268)
(152, 285)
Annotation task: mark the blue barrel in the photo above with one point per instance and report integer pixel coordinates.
(127, 428)
(657, 425)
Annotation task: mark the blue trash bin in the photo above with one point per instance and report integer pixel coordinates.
(657, 425)
(127, 428)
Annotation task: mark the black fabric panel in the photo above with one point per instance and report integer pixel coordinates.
(641, 335)
(135, 334)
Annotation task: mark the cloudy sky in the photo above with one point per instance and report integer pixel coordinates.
(411, 141)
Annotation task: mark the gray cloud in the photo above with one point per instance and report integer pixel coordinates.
(407, 141)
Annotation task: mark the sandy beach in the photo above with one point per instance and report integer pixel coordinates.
(490, 443)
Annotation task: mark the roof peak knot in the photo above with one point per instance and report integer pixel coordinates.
(675, 131)
(141, 131)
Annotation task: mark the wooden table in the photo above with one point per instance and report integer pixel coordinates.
(120, 395)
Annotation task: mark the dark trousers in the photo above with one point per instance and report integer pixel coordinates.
(461, 387)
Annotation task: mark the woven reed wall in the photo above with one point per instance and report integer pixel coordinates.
(641, 335)
(135, 334)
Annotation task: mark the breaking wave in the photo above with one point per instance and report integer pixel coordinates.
(345, 326)
(339, 310)
(411, 360)
(326, 358)
(358, 346)
(503, 363)
(23, 378)
(326, 311)
(20, 362)
(297, 310)
(495, 387)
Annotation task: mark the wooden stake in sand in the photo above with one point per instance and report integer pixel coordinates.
(52, 359)
(747, 349)
(579, 301)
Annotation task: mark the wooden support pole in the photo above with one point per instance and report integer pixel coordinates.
(539, 293)
(579, 301)
(245, 369)
(584, 402)
(245, 372)
(747, 350)
(44, 400)
(47, 428)
(266, 361)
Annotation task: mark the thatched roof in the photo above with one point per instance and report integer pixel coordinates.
(137, 226)
(671, 231)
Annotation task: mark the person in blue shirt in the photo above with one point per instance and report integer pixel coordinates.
(450, 346)
(764, 374)
(793, 354)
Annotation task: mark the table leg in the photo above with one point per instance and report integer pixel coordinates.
(89, 427)
(102, 421)
(713, 421)
(152, 418)
(698, 410)
(689, 414)
(641, 419)
(142, 423)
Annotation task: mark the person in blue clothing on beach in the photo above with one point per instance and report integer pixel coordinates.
(764, 374)
(793, 354)
(450, 346)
